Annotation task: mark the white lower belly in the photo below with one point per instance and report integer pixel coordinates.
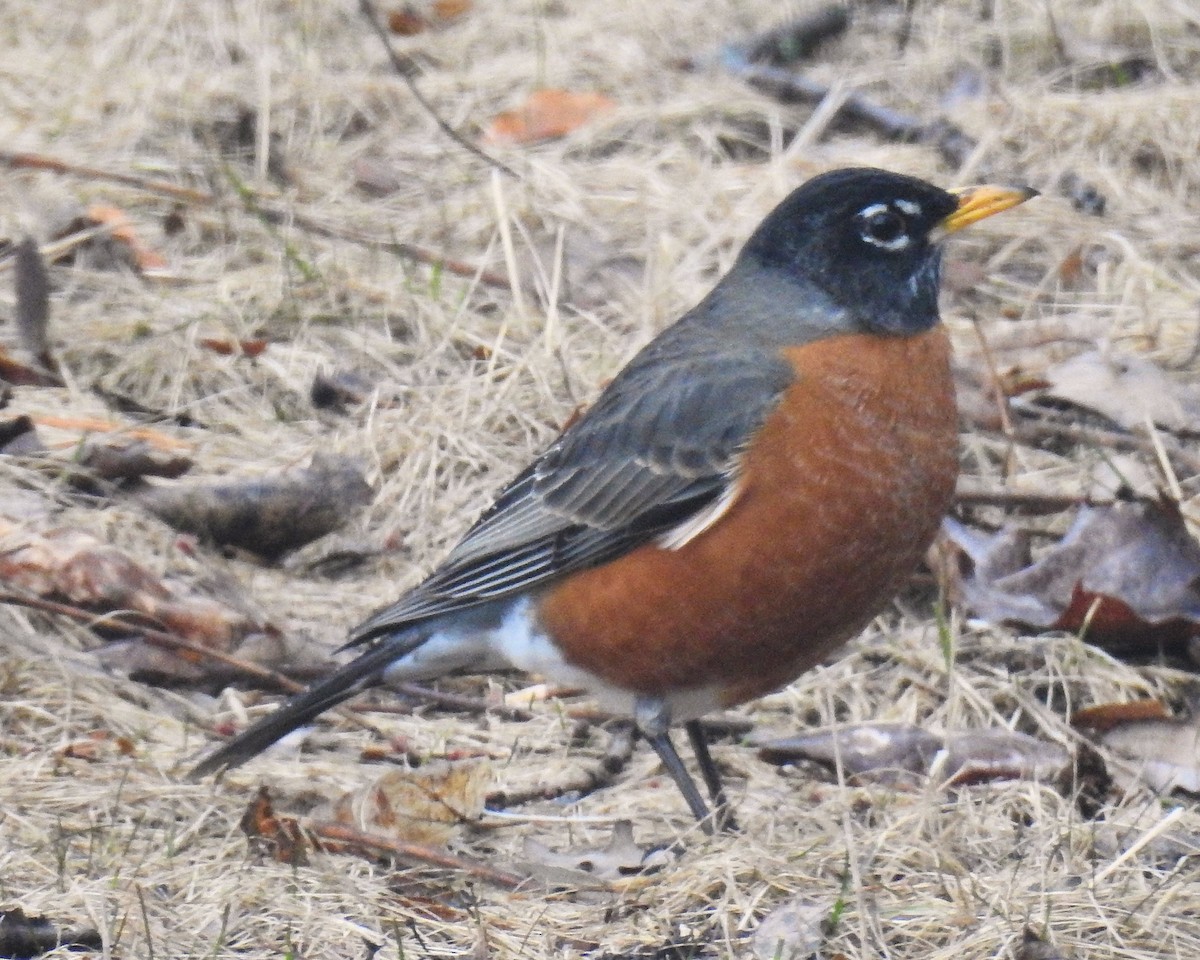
(518, 643)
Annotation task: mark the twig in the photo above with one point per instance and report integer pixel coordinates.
(259, 208)
(458, 701)
(156, 638)
(1032, 433)
(37, 161)
(367, 8)
(168, 641)
(1031, 501)
(413, 852)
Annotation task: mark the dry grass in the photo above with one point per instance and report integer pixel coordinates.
(652, 204)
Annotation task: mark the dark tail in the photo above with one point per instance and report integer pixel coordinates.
(354, 677)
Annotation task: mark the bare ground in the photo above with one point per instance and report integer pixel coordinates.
(650, 204)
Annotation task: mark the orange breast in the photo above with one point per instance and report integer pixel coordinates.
(841, 492)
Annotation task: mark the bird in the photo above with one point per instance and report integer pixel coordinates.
(745, 496)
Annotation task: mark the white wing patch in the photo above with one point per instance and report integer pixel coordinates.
(683, 534)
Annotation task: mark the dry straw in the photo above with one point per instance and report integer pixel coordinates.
(613, 231)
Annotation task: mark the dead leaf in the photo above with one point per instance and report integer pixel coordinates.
(1127, 389)
(980, 756)
(547, 115)
(228, 348)
(406, 22)
(793, 931)
(587, 867)
(1163, 750)
(75, 566)
(448, 10)
(1125, 576)
(21, 374)
(421, 805)
(875, 748)
(411, 19)
(281, 836)
(129, 458)
(121, 230)
(268, 516)
(1105, 716)
(98, 745)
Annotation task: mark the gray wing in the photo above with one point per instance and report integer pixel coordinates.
(658, 446)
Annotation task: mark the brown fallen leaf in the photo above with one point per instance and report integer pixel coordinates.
(129, 458)
(75, 566)
(279, 836)
(409, 19)
(98, 745)
(21, 374)
(1125, 576)
(1164, 750)
(406, 22)
(122, 231)
(420, 805)
(267, 516)
(547, 115)
(228, 348)
(1103, 717)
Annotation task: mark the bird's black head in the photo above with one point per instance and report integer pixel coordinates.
(867, 239)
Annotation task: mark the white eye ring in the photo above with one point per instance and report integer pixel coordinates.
(881, 226)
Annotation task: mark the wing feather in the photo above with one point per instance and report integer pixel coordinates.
(658, 452)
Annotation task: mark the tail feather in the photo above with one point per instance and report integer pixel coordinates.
(354, 677)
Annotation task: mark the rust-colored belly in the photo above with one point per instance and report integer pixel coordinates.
(841, 493)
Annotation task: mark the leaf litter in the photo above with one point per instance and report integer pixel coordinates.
(458, 381)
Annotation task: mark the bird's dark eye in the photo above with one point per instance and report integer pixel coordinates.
(882, 226)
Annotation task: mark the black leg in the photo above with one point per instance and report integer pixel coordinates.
(661, 742)
(712, 778)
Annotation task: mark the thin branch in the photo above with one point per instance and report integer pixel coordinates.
(367, 9)
(1030, 501)
(39, 161)
(168, 641)
(327, 830)
(457, 701)
(256, 205)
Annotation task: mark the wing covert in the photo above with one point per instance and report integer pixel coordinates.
(658, 446)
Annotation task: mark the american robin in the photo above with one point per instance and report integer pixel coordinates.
(746, 495)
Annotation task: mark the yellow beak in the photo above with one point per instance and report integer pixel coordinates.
(975, 203)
